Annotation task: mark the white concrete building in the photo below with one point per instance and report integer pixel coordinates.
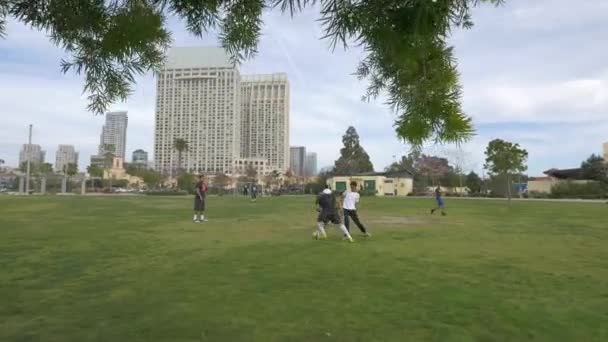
(265, 119)
(198, 99)
(260, 165)
(33, 152)
(606, 152)
(66, 154)
(114, 133)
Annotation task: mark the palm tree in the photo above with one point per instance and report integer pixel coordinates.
(180, 145)
(96, 172)
(69, 171)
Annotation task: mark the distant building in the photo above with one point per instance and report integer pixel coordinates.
(140, 157)
(378, 183)
(201, 97)
(606, 152)
(66, 154)
(555, 176)
(310, 164)
(260, 165)
(297, 159)
(98, 161)
(114, 133)
(197, 99)
(31, 152)
(265, 119)
(117, 171)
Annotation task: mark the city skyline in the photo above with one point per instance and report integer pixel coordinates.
(511, 62)
(66, 154)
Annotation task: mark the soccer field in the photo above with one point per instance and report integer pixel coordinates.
(138, 269)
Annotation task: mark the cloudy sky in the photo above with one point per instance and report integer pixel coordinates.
(534, 72)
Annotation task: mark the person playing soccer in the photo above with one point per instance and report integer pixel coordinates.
(200, 194)
(440, 203)
(326, 206)
(254, 193)
(349, 208)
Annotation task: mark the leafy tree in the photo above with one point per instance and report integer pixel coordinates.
(595, 168)
(353, 158)
(288, 178)
(151, 178)
(186, 181)
(71, 169)
(408, 56)
(251, 173)
(272, 179)
(34, 167)
(319, 183)
(434, 167)
(474, 183)
(180, 145)
(135, 169)
(407, 163)
(95, 171)
(222, 180)
(505, 158)
(45, 169)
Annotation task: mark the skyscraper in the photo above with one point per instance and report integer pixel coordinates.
(33, 152)
(140, 157)
(114, 133)
(297, 159)
(66, 154)
(265, 119)
(606, 152)
(197, 99)
(310, 165)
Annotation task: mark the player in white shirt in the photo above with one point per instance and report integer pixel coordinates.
(349, 205)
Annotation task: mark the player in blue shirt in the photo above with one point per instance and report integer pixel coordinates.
(440, 202)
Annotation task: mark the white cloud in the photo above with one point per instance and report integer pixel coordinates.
(573, 100)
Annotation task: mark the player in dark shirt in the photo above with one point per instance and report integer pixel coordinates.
(200, 194)
(440, 202)
(254, 193)
(328, 212)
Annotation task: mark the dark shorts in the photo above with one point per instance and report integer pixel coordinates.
(439, 202)
(199, 205)
(326, 217)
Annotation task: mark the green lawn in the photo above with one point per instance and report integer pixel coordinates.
(137, 269)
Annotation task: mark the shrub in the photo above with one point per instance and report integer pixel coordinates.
(591, 190)
(537, 194)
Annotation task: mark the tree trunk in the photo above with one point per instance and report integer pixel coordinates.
(509, 187)
(179, 163)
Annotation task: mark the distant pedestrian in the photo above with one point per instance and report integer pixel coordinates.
(254, 193)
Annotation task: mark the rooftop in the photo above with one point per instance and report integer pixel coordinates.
(197, 57)
(565, 173)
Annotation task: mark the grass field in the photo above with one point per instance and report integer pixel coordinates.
(137, 269)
